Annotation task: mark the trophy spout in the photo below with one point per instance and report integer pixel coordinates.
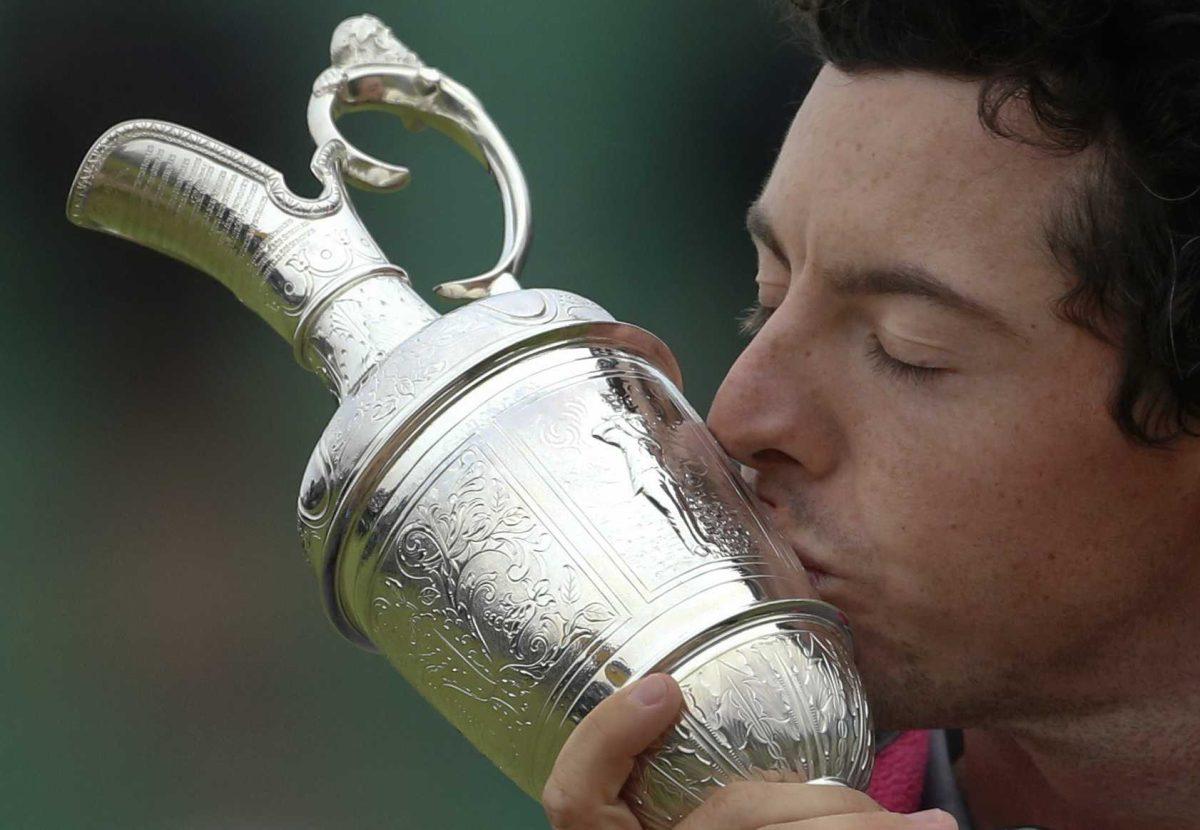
(308, 267)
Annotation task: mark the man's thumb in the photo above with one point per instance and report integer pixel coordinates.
(598, 756)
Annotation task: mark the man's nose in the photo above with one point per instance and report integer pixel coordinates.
(772, 408)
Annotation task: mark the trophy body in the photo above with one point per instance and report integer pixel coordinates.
(513, 502)
(536, 521)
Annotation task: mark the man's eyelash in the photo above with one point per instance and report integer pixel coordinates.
(753, 319)
(889, 365)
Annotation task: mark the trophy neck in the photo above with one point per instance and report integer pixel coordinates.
(356, 328)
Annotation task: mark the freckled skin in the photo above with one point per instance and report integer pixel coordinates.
(1009, 561)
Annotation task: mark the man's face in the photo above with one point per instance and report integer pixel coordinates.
(923, 427)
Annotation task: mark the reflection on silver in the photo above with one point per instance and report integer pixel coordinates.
(513, 502)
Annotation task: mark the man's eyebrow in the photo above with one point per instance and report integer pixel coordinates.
(914, 280)
(760, 228)
(905, 278)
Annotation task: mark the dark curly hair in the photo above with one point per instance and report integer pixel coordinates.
(1122, 76)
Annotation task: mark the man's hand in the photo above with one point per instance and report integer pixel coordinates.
(583, 791)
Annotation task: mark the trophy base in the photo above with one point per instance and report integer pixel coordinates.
(768, 694)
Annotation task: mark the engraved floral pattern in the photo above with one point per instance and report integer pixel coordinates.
(475, 605)
(436, 355)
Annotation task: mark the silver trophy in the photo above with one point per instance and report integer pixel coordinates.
(513, 502)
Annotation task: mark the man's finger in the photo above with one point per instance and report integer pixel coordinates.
(750, 805)
(598, 756)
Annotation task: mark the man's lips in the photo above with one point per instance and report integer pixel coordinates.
(812, 564)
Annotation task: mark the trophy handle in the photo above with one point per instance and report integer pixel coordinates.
(373, 70)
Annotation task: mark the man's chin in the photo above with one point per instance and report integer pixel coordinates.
(907, 697)
(903, 694)
(899, 711)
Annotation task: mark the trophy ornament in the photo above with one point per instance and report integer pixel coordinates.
(513, 502)
(373, 70)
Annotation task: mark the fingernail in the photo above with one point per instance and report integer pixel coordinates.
(649, 691)
(932, 820)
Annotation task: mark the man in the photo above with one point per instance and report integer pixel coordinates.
(971, 406)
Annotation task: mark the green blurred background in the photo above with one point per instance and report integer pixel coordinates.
(167, 663)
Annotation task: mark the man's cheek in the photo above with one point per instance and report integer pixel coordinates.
(915, 500)
(935, 539)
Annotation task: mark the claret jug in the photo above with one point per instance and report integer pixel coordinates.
(513, 501)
